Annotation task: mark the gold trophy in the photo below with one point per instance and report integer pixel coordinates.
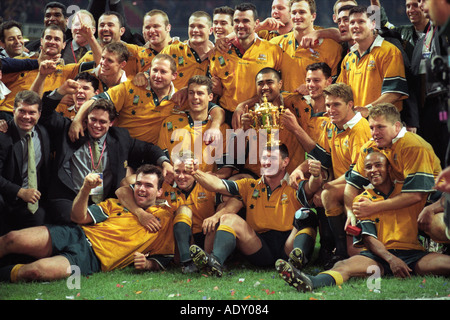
(267, 116)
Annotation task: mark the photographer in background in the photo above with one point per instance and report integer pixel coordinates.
(439, 11)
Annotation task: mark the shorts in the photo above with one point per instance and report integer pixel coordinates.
(273, 242)
(410, 257)
(72, 243)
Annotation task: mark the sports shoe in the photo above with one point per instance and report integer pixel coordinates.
(295, 278)
(297, 258)
(205, 261)
(188, 267)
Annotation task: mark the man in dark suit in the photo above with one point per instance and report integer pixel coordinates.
(74, 160)
(19, 189)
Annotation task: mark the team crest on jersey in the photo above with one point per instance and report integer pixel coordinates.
(284, 198)
(329, 133)
(262, 57)
(346, 144)
(371, 66)
(201, 195)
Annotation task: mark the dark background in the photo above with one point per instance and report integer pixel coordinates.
(31, 13)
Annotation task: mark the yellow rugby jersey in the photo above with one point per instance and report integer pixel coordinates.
(117, 234)
(201, 201)
(302, 111)
(412, 159)
(133, 65)
(396, 229)
(146, 55)
(296, 58)
(267, 209)
(139, 110)
(188, 63)
(179, 132)
(19, 81)
(237, 71)
(380, 70)
(339, 149)
(316, 125)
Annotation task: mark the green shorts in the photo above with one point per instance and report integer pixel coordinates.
(410, 257)
(72, 243)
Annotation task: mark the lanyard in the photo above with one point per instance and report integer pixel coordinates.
(73, 52)
(94, 168)
(426, 38)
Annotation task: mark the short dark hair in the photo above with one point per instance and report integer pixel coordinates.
(6, 26)
(320, 66)
(202, 81)
(284, 152)
(118, 48)
(346, 7)
(224, 10)
(54, 27)
(86, 76)
(118, 15)
(269, 70)
(29, 97)
(247, 6)
(55, 4)
(106, 105)
(360, 9)
(151, 169)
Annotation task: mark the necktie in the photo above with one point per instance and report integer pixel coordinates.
(32, 175)
(81, 52)
(96, 198)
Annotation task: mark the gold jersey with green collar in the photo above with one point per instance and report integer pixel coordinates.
(267, 209)
(133, 65)
(188, 63)
(117, 234)
(201, 202)
(146, 55)
(296, 58)
(412, 159)
(19, 81)
(237, 70)
(395, 229)
(302, 111)
(340, 149)
(140, 110)
(179, 133)
(378, 71)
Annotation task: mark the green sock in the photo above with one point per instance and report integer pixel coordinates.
(182, 234)
(337, 224)
(306, 243)
(224, 244)
(322, 280)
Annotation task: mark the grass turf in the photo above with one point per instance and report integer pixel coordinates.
(240, 282)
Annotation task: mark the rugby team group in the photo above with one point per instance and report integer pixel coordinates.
(121, 148)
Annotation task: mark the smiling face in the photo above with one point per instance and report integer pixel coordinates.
(301, 16)
(84, 93)
(222, 25)
(184, 180)
(272, 162)
(316, 82)
(244, 24)
(110, 65)
(383, 131)
(361, 27)
(199, 30)
(198, 98)
(56, 17)
(280, 11)
(78, 20)
(26, 116)
(269, 85)
(52, 42)
(339, 111)
(146, 190)
(109, 29)
(376, 169)
(161, 75)
(155, 30)
(14, 42)
(98, 123)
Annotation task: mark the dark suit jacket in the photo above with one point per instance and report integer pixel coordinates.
(11, 162)
(122, 149)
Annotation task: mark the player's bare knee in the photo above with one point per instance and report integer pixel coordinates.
(230, 219)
